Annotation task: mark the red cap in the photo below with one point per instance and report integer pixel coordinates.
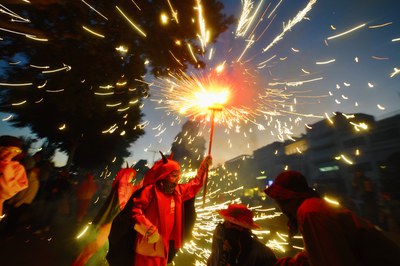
(240, 215)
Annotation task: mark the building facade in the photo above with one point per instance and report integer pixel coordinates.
(331, 151)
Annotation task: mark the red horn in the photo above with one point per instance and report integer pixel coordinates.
(171, 155)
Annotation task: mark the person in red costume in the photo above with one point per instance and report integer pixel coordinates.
(12, 174)
(158, 211)
(121, 191)
(332, 234)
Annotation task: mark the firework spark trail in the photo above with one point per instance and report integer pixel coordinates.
(140, 31)
(244, 19)
(299, 17)
(247, 21)
(95, 10)
(16, 32)
(173, 12)
(12, 14)
(204, 34)
(346, 32)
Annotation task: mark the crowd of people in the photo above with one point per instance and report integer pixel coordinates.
(147, 222)
(33, 192)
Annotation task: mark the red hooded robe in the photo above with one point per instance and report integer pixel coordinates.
(154, 208)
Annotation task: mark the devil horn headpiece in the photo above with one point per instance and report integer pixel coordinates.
(164, 159)
(127, 165)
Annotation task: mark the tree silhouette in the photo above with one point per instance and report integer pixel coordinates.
(76, 74)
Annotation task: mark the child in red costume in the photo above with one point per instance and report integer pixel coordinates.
(158, 211)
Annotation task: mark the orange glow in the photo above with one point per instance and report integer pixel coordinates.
(212, 98)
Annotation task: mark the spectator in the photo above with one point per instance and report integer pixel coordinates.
(332, 235)
(233, 242)
(12, 174)
(364, 192)
(21, 211)
(56, 200)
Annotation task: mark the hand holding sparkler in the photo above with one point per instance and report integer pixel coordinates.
(205, 164)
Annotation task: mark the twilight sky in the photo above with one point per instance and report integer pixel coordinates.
(341, 55)
(358, 80)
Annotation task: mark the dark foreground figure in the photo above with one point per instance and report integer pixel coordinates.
(235, 244)
(332, 235)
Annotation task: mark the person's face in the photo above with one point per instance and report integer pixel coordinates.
(7, 153)
(174, 176)
(289, 208)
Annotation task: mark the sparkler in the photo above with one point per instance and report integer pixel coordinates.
(200, 99)
(214, 108)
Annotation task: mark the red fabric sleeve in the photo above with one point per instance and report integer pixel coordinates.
(140, 204)
(190, 189)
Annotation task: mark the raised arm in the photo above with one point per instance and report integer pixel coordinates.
(190, 189)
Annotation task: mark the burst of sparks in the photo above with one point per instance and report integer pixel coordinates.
(192, 96)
